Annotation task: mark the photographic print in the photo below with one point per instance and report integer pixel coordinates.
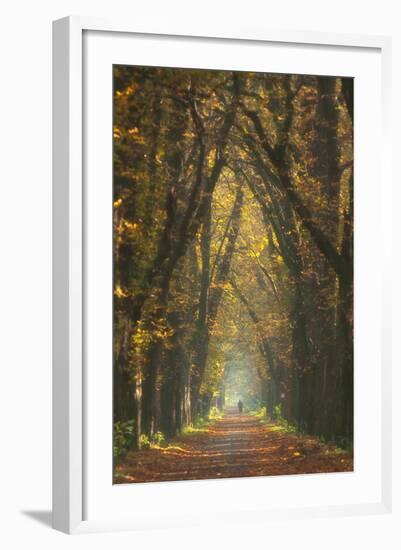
(232, 274)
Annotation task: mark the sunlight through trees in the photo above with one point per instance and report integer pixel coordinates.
(233, 250)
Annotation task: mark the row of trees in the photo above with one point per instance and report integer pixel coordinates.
(233, 225)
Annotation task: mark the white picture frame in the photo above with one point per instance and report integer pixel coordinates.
(69, 256)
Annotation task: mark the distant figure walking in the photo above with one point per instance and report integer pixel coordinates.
(240, 406)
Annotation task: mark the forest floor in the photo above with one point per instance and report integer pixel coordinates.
(238, 445)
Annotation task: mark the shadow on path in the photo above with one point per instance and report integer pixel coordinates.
(238, 445)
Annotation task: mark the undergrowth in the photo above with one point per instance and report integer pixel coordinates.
(124, 434)
(201, 424)
(277, 422)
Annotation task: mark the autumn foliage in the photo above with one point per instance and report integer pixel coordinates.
(233, 251)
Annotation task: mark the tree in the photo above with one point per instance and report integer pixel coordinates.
(233, 257)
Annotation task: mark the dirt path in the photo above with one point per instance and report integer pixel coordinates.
(236, 446)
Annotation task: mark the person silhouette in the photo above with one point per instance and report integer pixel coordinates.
(240, 406)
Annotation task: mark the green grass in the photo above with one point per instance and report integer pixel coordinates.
(201, 424)
(193, 430)
(279, 423)
(259, 413)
